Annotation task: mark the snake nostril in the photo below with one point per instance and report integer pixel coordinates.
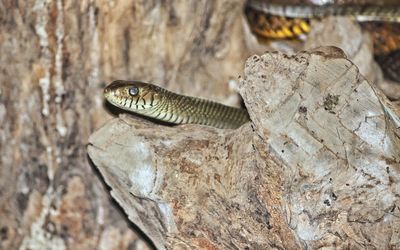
(108, 92)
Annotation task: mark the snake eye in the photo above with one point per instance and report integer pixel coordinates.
(133, 91)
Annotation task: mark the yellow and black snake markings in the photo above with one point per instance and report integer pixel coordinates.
(292, 22)
(276, 27)
(386, 36)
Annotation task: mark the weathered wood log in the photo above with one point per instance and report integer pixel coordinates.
(318, 166)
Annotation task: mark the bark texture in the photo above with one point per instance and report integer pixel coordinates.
(317, 166)
(56, 57)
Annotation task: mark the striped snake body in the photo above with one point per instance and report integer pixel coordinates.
(277, 21)
(273, 21)
(152, 101)
(382, 13)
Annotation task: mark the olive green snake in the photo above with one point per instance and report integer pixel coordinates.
(160, 104)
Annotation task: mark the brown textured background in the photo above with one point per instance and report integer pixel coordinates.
(56, 57)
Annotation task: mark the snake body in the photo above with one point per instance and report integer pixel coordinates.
(360, 13)
(272, 21)
(160, 104)
(278, 21)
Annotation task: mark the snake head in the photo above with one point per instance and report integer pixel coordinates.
(133, 96)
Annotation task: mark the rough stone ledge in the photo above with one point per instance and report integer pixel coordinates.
(318, 166)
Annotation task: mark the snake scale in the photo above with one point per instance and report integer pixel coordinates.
(155, 102)
(280, 22)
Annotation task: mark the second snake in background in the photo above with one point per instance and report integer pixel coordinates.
(272, 20)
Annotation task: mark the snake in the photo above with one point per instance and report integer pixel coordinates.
(283, 21)
(272, 21)
(160, 104)
(385, 13)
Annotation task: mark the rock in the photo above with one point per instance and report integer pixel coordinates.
(337, 140)
(318, 166)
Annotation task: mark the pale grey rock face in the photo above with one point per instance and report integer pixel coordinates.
(329, 128)
(318, 165)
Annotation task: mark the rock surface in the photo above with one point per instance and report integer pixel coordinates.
(55, 59)
(337, 140)
(318, 165)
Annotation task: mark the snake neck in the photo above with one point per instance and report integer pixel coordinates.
(179, 109)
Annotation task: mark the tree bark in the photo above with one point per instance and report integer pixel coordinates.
(56, 57)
